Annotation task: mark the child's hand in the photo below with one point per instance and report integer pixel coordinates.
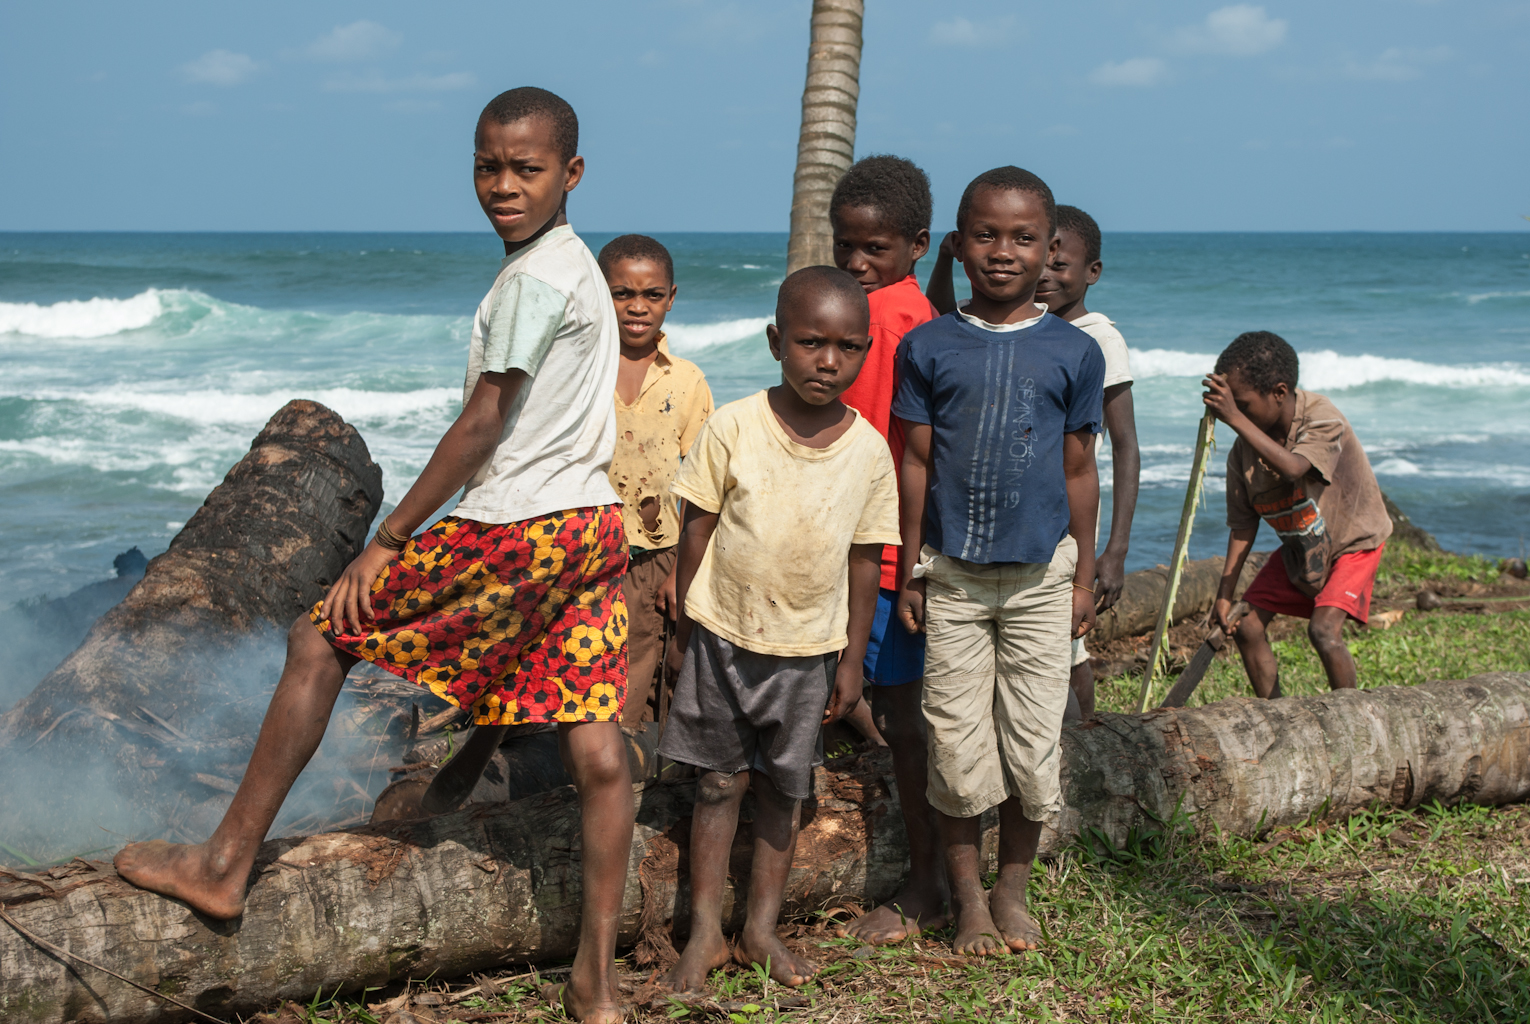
(1083, 612)
(1109, 579)
(666, 602)
(1219, 399)
(846, 694)
(947, 248)
(911, 606)
(348, 602)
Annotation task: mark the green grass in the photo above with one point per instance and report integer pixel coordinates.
(1389, 916)
(1423, 646)
(1410, 566)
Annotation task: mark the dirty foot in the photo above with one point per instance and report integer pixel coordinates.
(902, 917)
(785, 966)
(702, 955)
(188, 873)
(606, 1010)
(976, 934)
(1016, 925)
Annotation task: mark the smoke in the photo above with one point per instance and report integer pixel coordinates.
(92, 780)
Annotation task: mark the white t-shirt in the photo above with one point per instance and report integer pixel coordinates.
(1118, 368)
(549, 314)
(1102, 329)
(775, 578)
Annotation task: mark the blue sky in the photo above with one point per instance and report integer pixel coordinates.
(1366, 114)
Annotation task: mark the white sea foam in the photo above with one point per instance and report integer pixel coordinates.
(224, 407)
(1484, 296)
(695, 337)
(92, 318)
(1326, 370)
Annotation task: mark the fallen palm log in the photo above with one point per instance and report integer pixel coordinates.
(1142, 596)
(175, 672)
(489, 885)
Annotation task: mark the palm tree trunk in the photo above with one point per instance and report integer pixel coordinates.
(826, 145)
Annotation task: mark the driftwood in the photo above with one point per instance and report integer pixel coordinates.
(177, 672)
(489, 885)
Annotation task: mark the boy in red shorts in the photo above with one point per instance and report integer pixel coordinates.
(1298, 466)
(511, 606)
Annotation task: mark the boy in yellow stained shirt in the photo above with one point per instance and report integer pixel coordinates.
(661, 403)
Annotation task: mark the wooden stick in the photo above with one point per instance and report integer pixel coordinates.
(1205, 440)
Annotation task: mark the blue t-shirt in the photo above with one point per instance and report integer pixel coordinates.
(998, 404)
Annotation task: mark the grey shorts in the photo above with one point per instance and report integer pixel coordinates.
(734, 710)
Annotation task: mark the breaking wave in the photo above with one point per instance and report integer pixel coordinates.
(1326, 370)
(91, 318)
(695, 337)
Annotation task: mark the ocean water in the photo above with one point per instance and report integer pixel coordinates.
(136, 368)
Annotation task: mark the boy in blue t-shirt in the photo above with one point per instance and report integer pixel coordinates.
(1000, 402)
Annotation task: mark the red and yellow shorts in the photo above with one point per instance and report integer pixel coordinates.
(521, 622)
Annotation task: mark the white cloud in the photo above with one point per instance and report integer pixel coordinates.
(1240, 30)
(220, 67)
(1137, 72)
(360, 40)
(375, 82)
(1398, 64)
(974, 35)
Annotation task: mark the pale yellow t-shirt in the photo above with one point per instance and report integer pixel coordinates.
(775, 578)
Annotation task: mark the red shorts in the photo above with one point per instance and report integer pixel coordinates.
(520, 622)
(1349, 586)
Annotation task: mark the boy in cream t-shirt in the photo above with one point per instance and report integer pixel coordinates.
(790, 495)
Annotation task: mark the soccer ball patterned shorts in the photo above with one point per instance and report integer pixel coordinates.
(519, 622)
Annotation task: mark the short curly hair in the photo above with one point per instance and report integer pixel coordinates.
(530, 102)
(1009, 179)
(816, 282)
(1071, 218)
(635, 247)
(894, 187)
(1263, 358)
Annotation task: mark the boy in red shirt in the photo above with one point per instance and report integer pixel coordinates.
(880, 214)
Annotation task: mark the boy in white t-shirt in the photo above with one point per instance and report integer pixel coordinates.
(1075, 266)
(512, 605)
(790, 495)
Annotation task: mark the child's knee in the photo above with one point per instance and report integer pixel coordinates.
(1326, 632)
(1250, 630)
(601, 764)
(720, 788)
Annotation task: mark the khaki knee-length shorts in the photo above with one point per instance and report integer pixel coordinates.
(996, 680)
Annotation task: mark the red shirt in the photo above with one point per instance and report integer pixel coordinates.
(895, 310)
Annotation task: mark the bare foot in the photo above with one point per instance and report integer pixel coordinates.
(976, 934)
(702, 955)
(767, 950)
(189, 873)
(902, 917)
(604, 1010)
(1016, 925)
